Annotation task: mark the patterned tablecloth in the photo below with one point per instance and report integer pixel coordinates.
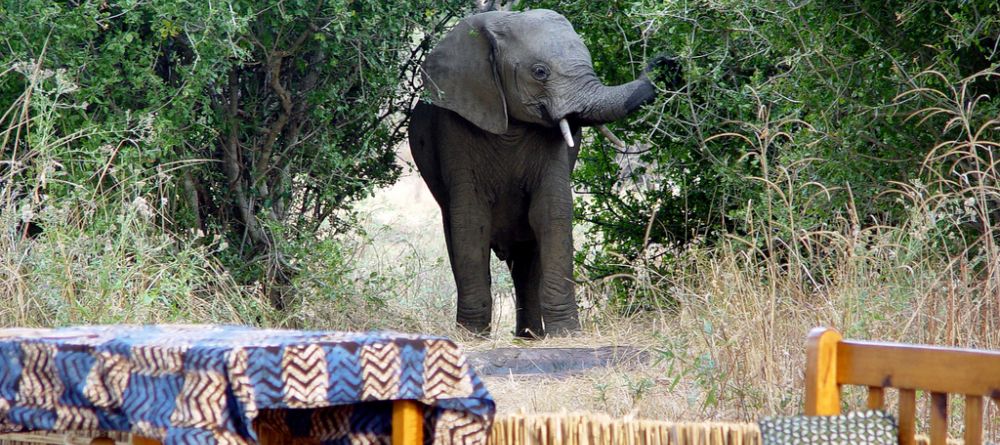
(207, 384)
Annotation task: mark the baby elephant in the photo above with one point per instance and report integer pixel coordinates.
(509, 92)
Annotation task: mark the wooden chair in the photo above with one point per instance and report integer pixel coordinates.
(832, 361)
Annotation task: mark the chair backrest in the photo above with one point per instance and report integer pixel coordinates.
(832, 361)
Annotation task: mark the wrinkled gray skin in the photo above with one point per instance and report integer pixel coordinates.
(492, 154)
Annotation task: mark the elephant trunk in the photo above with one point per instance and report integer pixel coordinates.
(601, 104)
(609, 103)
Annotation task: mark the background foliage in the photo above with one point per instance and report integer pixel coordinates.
(246, 126)
(225, 141)
(794, 115)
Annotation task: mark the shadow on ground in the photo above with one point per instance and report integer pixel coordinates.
(554, 362)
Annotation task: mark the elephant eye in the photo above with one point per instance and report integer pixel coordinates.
(540, 72)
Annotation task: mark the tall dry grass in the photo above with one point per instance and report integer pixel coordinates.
(95, 250)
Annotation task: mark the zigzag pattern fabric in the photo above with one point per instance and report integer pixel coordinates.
(208, 384)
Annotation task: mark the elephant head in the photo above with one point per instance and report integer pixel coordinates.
(497, 67)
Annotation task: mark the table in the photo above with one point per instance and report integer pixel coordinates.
(206, 384)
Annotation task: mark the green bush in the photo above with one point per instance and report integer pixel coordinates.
(791, 110)
(243, 131)
(256, 123)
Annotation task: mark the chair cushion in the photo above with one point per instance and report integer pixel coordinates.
(856, 427)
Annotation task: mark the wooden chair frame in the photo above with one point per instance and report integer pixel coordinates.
(832, 361)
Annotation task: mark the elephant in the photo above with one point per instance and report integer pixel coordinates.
(495, 139)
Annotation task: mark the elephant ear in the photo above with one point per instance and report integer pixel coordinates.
(461, 74)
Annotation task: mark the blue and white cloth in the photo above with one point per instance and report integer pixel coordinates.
(208, 384)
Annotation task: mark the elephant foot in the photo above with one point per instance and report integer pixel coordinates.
(562, 328)
(529, 334)
(477, 329)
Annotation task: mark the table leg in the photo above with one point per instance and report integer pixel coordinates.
(407, 423)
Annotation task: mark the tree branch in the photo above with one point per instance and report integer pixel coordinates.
(231, 161)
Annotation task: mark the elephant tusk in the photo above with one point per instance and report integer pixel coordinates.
(611, 137)
(567, 135)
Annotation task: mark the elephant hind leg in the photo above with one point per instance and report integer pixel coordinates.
(526, 272)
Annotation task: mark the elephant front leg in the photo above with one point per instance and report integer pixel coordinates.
(551, 221)
(467, 229)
